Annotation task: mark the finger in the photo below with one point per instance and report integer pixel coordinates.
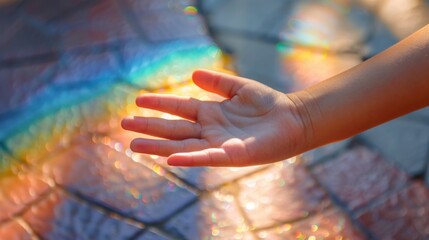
(185, 107)
(219, 83)
(208, 157)
(167, 147)
(170, 129)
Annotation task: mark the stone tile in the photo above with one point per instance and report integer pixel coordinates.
(18, 190)
(427, 176)
(10, 22)
(239, 15)
(9, 7)
(14, 231)
(255, 59)
(380, 39)
(18, 86)
(183, 225)
(306, 66)
(6, 160)
(88, 69)
(421, 115)
(56, 9)
(322, 39)
(15, 45)
(332, 224)
(404, 143)
(285, 192)
(97, 24)
(332, 26)
(320, 154)
(105, 174)
(60, 217)
(210, 6)
(403, 20)
(156, 5)
(152, 236)
(76, 112)
(152, 67)
(170, 25)
(216, 216)
(403, 215)
(358, 177)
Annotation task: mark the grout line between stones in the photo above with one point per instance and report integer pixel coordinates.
(28, 206)
(28, 229)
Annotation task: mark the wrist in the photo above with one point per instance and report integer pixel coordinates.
(309, 115)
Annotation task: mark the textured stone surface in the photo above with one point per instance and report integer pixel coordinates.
(36, 78)
(332, 224)
(14, 231)
(217, 215)
(104, 174)
(87, 69)
(56, 9)
(403, 215)
(70, 70)
(320, 154)
(170, 25)
(285, 192)
(99, 23)
(17, 193)
(404, 143)
(421, 115)
(15, 43)
(240, 15)
(73, 220)
(358, 177)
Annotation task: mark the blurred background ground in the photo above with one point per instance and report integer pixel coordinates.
(68, 75)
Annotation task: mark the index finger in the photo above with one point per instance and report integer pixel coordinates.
(185, 107)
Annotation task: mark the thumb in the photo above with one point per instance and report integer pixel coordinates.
(219, 83)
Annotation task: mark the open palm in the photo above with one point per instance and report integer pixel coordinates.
(253, 125)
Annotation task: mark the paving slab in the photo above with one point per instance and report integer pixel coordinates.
(217, 215)
(87, 69)
(318, 155)
(18, 192)
(256, 59)
(36, 78)
(239, 15)
(14, 231)
(99, 23)
(403, 215)
(111, 178)
(152, 236)
(71, 219)
(332, 224)
(57, 9)
(359, 176)
(14, 44)
(169, 24)
(404, 143)
(421, 115)
(286, 193)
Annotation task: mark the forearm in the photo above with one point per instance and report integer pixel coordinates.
(389, 85)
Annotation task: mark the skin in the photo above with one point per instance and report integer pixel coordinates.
(257, 125)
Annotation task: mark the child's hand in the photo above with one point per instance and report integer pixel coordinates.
(254, 125)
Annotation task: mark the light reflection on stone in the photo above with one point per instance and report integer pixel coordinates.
(285, 193)
(320, 41)
(332, 224)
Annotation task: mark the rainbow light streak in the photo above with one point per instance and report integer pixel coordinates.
(313, 41)
(47, 125)
(190, 10)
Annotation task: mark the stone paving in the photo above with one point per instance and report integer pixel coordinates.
(70, 70)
